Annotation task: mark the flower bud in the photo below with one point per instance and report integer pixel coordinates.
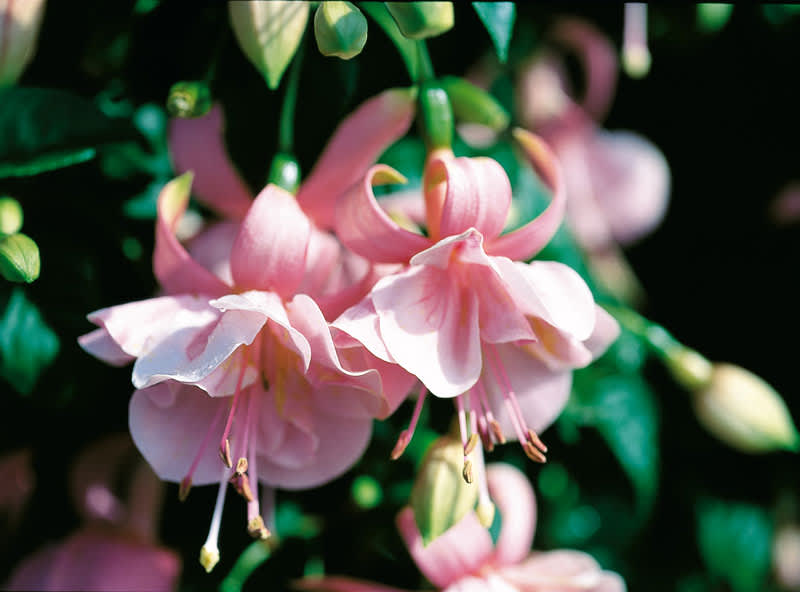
(189, 99)
(419, 20)
(441, 497)
(10, 215)
(340, 29)
(19, 28)
(269, 34)
(473, 104)
(745, 412)
(19, 258)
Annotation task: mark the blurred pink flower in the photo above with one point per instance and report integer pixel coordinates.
(287, 407)
(464, 559)
(116, 548)
(19, 29)
(497, 335)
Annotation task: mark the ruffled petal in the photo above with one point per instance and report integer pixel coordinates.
(176, 271)
(478, 195)
(461, 550)
(562, 571)
(99, 344)
(169, 422)
(541, 392)
(359, 325)
(429, 324)
(365, 228)
(525, 242)
(355, 145)
(197, 144)
(270, 250)
(513, 494)
(212, 247)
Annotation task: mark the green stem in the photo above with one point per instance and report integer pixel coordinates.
(250, 559)
(405, 47)
(654, 335)
(424, 65)
(286, 130)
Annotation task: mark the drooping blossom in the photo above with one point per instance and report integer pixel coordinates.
(464, 559)
(116, 548)
(286, 406)
(336, 278)
(464, 313)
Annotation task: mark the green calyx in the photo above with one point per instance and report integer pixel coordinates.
(436, 116)
(285, 172)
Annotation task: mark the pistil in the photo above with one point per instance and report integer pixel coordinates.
(209, 553)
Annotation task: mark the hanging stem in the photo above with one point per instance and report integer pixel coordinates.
(286, 130)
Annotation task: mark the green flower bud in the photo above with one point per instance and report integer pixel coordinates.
(189, 99)
(19, 258)
(340, 29)
(269, 34)
(745, 412)
(419, 20)
(10, 215)
(474, 104)
(441, 496)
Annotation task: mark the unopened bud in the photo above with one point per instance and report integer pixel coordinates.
(441, 497)
(340, 29)
(419, 20)
(786, 557)
(745, 412)
(19, 258)
(20, 22)
(269, 34)
(10, 215)
(688, 367)
(189, 99)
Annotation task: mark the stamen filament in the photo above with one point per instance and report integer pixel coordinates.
(224, 444)
(485, 508)
(406, 435)
(186, 482)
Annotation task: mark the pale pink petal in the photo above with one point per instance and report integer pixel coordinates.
(169, 422)
(562, 571)
(359, 325)
(462, 549)
(606, 331)
(345, 295)
(355, 145)
(340, 584)
(478, 195)
(429, 324)
(365, 228)
(211, 248)
(525, 242)
(487, 582)
(99, 344)
(176, 271)
(631, 182)
(541, 392)
(512, 493)
(270, 250)
(197, 144)
(408, 203)
(323, 263)
(96, 560)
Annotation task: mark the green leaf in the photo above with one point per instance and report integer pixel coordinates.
(498, 18)
(19, 258)
(44, 129)
(27, 344)
(734, 541)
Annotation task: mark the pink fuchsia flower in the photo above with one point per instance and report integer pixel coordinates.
(464, 559)
(335, 277)
(463, 314)
(287, 407)
(116, 548)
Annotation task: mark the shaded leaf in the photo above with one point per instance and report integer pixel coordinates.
(498, 18)
(27, 344)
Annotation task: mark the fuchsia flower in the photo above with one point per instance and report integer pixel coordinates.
(116, 548)
(464, 559)
(288, 407)
(463, 313)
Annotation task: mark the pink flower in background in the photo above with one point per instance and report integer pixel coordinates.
(286, 406)
(462, 313)
(464, 559)
(116, 548)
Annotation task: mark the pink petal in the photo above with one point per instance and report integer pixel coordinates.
(366, 229)
(323, 262)
(606, 331)
(355, 145)
(541, 392)
(512, 493)
(176, 271)
(461, 550)
(359, 325)
(478, 195)
(562, 571)
(409, 204)
(270, 250)
(169, 422)
(198, 145)
(339, 584)
(487, 582)
(525, 242)
(99, 344)
(212, 247)
(429, 324)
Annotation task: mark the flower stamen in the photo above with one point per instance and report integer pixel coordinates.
(406, 435)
